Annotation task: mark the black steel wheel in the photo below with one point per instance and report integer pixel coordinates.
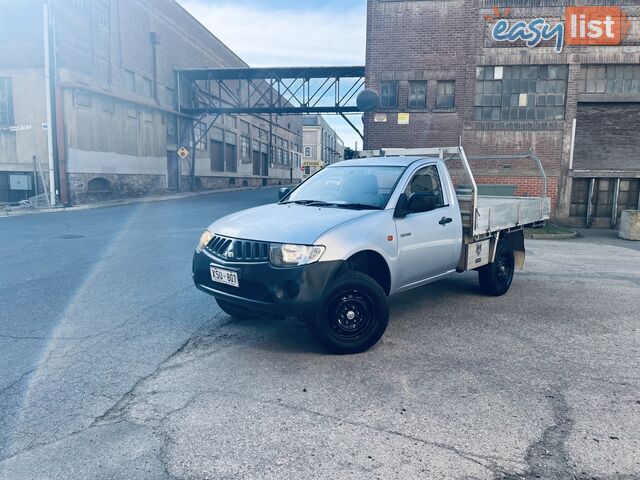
(496, 278)
(353, 316)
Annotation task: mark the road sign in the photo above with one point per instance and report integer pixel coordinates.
(313, 163)
(183, 153)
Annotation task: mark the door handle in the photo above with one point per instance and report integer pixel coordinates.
(445, 221)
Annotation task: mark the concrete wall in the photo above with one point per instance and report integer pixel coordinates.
(107, 129)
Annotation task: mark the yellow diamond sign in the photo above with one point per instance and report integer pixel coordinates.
(183, 153)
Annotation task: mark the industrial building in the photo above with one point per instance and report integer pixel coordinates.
(114, 129)
(322, 145)
(509, 76)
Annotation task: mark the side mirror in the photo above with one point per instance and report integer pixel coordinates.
(283, 192)
(420, 202)
(402, 207)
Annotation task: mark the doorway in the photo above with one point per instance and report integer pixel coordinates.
(173, 170)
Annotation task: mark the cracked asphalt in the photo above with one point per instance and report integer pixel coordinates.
(112, 365)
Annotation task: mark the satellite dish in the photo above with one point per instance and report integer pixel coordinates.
(368, 101)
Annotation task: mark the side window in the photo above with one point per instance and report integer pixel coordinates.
(427, 180)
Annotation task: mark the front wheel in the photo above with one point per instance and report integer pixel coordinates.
(353, 316)
(496, 278)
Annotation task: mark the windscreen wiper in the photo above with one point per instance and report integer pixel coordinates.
(310, 203)
(358, 206)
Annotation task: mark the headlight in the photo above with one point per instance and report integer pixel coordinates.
(295, 255)
(206, 237)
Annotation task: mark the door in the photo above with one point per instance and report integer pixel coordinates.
(427, 241)
(265, 165)
(256, 162)
(173, 170)
(231, 158)
(217, 156)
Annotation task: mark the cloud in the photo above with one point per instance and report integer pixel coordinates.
(268, 34)
(324, 35)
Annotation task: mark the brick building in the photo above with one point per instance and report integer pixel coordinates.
(115, 97)
(444, 75)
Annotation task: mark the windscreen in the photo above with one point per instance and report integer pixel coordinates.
(353, 186)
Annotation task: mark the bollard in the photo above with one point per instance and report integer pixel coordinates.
(630, 225)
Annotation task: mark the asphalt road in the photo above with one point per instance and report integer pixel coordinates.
(113, 366)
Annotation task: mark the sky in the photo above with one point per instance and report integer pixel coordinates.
(290, 33)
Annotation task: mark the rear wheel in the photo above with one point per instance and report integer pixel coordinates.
(233, 311)
(496, 278)
(353, 316)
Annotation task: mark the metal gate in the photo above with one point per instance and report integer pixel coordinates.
(16, 186)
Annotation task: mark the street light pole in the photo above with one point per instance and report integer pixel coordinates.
(47, 77)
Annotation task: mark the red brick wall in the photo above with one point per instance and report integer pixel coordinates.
(447, 40)
(526, 186)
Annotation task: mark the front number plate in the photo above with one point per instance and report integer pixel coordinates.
(227, 277)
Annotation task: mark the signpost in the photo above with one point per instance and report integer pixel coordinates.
(183, 153)
(313, 163)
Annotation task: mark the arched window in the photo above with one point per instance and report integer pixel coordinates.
(307, 151)
(99, 185)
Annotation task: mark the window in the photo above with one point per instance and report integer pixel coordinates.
(279, 157)
(245, 147)
(307, 151)
(147, 116)
(286, 157)
(130, 80)
(83, 99)
(417, 95)
(147, 87)
(132, 110)
(202, 142)
(108, 105)
(389, 95)
(6, 103)
(170, 96)
(78, 5)
(445, 97)
(613, 79)
(103, 14)
(231, 121)
(521, 92)
(245, 128)
(427, 180)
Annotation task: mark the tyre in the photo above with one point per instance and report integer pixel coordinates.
(496, 278)
(236, 312)
(353, 316)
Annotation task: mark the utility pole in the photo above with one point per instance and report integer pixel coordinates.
(50, 121)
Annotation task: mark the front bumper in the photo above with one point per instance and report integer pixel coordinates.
(265, 288)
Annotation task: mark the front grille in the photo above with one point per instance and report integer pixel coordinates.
(233, 250)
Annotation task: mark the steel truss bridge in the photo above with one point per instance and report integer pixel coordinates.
(206, 93)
